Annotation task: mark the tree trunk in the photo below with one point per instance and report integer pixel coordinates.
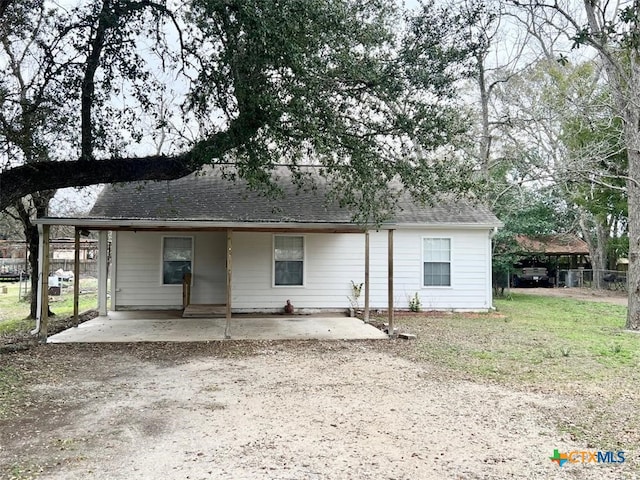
(633, 275)
(40, 207)
(485, 138)
(32, 239)
(595, 234)
(600, 254)
(629, 98)
(624, 80)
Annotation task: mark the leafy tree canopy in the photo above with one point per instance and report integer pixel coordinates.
(527, 212)
(359, 89)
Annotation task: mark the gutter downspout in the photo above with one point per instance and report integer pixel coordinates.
(103, 271)
(367, 268)
(492, 233)
(36, 331)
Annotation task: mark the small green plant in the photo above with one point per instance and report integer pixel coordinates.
(616, 348)
(566, 351)
(414, 303)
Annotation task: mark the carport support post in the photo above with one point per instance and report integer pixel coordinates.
(227, 328)
(366, 275)
(103, 262)
(390, 283)
(44, 301)
(76, 275)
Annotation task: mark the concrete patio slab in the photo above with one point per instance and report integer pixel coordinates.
(169, 326)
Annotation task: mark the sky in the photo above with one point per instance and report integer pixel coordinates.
(68, 201)
(76, 201)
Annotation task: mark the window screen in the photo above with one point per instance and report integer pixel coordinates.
(437, 262)
(176, 259)
(288, 260)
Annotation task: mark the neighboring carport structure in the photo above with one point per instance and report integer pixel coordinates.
(555, 249)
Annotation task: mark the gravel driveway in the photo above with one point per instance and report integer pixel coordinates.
(266, 410)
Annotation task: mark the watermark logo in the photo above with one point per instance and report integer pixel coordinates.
(589, 456)
(559, 458)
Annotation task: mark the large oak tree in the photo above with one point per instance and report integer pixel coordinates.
(348, 85)
(360, 89)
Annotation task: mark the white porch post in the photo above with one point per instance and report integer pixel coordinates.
(114, 270)
(366, 275)
(390, 283)
(103, 263)
(227, 328)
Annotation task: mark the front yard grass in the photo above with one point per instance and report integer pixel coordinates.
(576, 349)
(14, 311)
(532, 340)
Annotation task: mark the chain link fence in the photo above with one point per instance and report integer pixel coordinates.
(88, 268)
(598, 279)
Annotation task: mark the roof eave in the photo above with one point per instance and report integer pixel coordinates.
(442, 225)
(129, 223)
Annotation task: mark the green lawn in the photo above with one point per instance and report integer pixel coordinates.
(533, 339)
(14, 312)
(575, 349)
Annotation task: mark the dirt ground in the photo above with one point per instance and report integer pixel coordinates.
(276, 410)
(272, 410)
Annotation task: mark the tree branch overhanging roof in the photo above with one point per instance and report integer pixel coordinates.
(210, 199)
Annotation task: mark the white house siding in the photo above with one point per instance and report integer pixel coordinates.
(331, 262)
(470, 280)
(138, 281)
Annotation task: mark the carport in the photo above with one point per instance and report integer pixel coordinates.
(162, 325)
(170, 326)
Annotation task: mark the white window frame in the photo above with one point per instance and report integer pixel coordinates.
(273, 261)
(422, 241)
(164, 237)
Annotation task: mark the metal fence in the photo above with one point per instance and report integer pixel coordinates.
(87, 267)
(599, 279)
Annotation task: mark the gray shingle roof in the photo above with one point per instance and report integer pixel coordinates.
(211, 198)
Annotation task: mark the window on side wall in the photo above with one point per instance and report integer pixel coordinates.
(177, 255)
(436, 254)
(288, 255)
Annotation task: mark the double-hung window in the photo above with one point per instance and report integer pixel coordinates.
(177, 255)
(288, 256)
(436, 255)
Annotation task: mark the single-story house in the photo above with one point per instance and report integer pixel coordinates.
(246, 252)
